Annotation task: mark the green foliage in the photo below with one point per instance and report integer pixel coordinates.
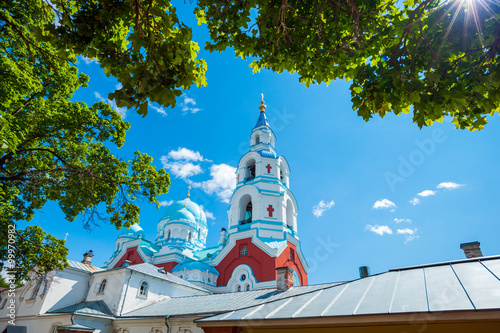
(433, 58)
(55, 149)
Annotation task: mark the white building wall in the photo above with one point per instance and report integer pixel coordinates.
(35, 324)
(67, 287)
(157, 289)
(112, 294)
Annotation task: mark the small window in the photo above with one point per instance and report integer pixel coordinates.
(247, 287)
(292, 255)
(189, 237)
(36, 289)
(244, 251)
(168, 235)
(102, 287)
(257, 140)
(143, 289)
(243, 277)
(238, 289)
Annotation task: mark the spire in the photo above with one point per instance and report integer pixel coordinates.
(262, 116)
(262, 106)
(188, 195)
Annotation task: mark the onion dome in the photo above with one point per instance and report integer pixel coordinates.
(135, 231)
(185, 210)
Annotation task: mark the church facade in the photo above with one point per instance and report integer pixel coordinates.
(261, 234)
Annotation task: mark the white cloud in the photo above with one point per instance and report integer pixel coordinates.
(188, 105)
(384, 204)
(426, 193)
(415, 201)
(402, 220)
(88, 61)
(410, 234)
(121, 111)
(158, 109)
(208, 214)
(449, 185)
(181, 169)
(118, 86)
(223, 181)
(185, 154)
(379, 229)
(320, 208)
(166, 203)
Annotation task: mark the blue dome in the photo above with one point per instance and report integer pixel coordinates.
(135, 231)
(191, 212)
(195, 265)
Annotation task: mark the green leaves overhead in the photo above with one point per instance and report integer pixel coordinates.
(55, 149)
(141, 42)
(432, 58)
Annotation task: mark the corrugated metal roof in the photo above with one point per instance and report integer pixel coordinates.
(462, 285)
(152, 270)
(95, 308)
(83, 267)
(217, 303)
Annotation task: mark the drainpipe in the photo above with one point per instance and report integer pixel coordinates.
(126, 290)
(166, 323)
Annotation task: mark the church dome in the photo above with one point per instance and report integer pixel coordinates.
(192, 212)
(135, 231)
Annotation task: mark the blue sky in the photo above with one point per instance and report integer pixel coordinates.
(382, 193)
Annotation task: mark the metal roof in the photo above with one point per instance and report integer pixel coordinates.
(217, 303)
(95, 308)
(83, 267)
(152, 270)
(463, 285)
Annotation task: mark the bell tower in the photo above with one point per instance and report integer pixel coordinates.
(262, 199)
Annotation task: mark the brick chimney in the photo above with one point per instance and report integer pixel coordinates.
(285, 278)
(471, 249)
(87, 257)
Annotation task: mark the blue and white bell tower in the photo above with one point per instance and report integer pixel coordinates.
(262, 199)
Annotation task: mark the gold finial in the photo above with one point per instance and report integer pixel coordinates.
(262, 106)
(185, 200)
(65, 236)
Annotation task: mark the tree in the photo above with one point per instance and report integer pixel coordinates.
(431, 57)
(53, 148)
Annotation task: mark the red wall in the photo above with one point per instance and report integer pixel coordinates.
(132, 255)
(263, 265)
(168, 266)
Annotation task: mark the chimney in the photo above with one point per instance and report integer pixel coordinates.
(285, 278)
(364, 271)
(223, 238)
(471, 250)
(87, 257)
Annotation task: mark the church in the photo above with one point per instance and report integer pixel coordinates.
(253, 280)
(260, 237)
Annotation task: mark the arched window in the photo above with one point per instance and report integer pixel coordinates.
(168, 235)
(243, 251)
(238, 288)
(189, 237)
(247, 287)
(143, 289)
(102, 286)
(250, 174)
(292, 255)
(246, 209)
(257, 139)
(36, 289)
